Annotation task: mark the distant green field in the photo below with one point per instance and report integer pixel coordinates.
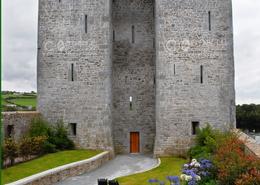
(24, 101)
(3, 102)
(20, 100)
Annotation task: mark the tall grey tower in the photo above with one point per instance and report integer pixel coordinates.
(194, 70)
(136, 75)
(74, 68)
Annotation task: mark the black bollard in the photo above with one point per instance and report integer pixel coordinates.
(102, 181)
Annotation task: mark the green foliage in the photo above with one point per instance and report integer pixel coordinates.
(169, 166)
(210, 182)
(22, 101)
(39, 127)
(248, 117)
(32, 146)
(233, 163)
(9, 109)
(10, 150)
(49, 147)
(206, 143)
(57, 135)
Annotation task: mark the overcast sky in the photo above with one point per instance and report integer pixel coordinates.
(20, 36)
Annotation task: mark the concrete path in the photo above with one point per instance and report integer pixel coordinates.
(122, 165)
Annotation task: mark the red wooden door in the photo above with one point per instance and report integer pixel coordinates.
(134, 142)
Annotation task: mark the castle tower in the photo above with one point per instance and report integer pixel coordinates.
(133, 76)
(194, 71)
(74, 68)
(136, 75)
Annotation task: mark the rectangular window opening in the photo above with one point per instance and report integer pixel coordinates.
(201, 74)
(174, 69)
(195, 127)
(73, 128)
(209, 17)
(133, 34)
(86, 23)
(10, 130)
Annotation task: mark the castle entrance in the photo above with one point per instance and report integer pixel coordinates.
(134, 142)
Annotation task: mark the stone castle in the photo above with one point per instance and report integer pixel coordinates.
(136, 76)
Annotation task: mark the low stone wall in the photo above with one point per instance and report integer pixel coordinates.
(61, 173)
(18, 122)
(252, 146)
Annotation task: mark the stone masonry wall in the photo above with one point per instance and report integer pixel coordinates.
(133, 74)
(191, 37)
(61, 173)
(66, 39)
(20, 122)
(188, 37)
(251, 145)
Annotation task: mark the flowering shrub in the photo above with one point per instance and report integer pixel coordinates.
(10, 150)
(31, 146)
(234, 166)
(156, 181)
(249, 178)
(174, 180)
(57, 134)
(196, 171)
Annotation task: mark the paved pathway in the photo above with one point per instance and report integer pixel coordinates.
(120, 166)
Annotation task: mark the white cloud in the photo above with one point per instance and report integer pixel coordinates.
(20, 44)
(246, 17)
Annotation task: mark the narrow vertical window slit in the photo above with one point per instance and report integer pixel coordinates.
(72, 72)
(114, 36)
(133, 34)
(209, 19)
(86, 23)
(201, 74)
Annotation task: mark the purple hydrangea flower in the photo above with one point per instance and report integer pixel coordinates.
(153, 181)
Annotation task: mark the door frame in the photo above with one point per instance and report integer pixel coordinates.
(139, 142)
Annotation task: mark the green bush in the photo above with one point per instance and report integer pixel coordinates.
(57, 135)
(39, 127)
(206, 142)
(10, 150)
(32, 146)
(49, 147)
(25, 148)
(37, 144)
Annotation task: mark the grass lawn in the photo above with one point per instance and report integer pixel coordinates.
(3, 102)
(29, 101)
(45, 163)
(169, 167)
